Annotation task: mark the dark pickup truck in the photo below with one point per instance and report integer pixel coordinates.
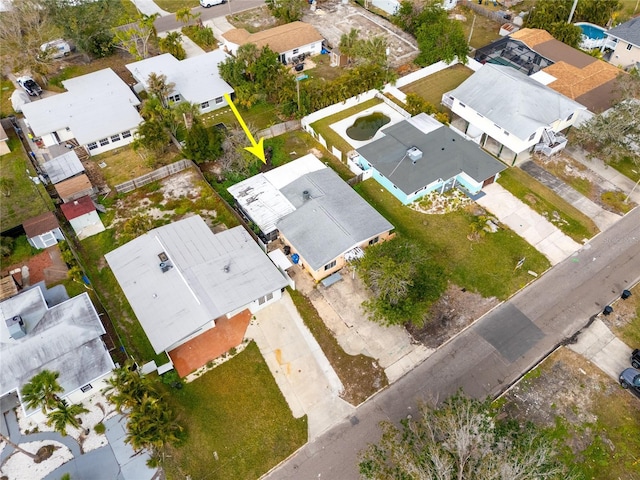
(635, 358)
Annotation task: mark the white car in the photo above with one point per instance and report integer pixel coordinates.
(30, 86)
(211, 3)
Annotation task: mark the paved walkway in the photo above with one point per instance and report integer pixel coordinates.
(602, 348)
(530, 225)
(608, 173)
(601, 217)
(303, 373)
(148, 7)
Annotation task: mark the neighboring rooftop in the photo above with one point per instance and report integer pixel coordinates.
(203, 276)
(67, 188)
(95, 106)
(77, 208)
(445, 155)
(512, 100)
(41, 224)
(63, 167)
(330, 218)
(279, 39)
(197, 78)
(628, 31)
(65, 338)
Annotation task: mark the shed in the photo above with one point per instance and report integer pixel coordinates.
(65, 166)
(74, 188)
(43, 231)
(83, 217)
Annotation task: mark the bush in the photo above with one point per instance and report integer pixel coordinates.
(100, 428)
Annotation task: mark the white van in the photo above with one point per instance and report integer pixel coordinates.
(56, 48)
(211, 3)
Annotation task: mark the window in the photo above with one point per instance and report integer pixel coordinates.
(506, 133)
(295, 51)
(86, 388)
(569, 117)
(175, 98)
(462, 105)
(126, 134)
(373, 240)
(329, 266)
(265, 299)
(115, 138)
(629, 46)
(104, 141)
(532, 136)
(92, 146)
(218, 100)
(204, 105)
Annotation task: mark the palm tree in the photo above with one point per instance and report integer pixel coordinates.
(184, 15)
(151, 425)
(126, 387)
(18, 447)
(158, 86)
(348, 43)
(42, 390)
(65, 415)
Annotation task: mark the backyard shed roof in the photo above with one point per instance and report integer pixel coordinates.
(445, 155)
(628, 31)
(63, 167)
(210, 275)
(41, 224)
(197, 78)
(333, 220)
(3, 135)
(512, 100)
(279, 39)
(95, 106)
(77, 208)
(68, 188)
(65, 338)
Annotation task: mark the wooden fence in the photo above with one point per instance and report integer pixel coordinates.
(158, 174)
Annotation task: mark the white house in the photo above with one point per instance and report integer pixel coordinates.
(289, 40)
(64, 338)
(83, 217)
(196, 79)
(182, 280)
(501, 104)
(624, 40)
(43, 231)
(98, 110)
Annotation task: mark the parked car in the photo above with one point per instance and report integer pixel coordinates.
(211, 3)
(630, 378)
(635, 358)
(30, 86)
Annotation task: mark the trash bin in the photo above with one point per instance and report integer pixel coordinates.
(607, 310)
(625, 294)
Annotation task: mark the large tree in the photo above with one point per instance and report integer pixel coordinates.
(461, 439)
(137, 38)
(403, 281)
(286, 10)
(617, 130)
(88, 23)
(42, 391)
(203, 144)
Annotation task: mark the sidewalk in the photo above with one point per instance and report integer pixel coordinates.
(608, 173)
(530, 225)
(601, 217)
(301, 370)
(148, 7)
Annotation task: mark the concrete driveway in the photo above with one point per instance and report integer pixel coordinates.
(530, 225)
(303, 373)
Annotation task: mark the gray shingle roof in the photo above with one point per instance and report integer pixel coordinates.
(212, 275)
(513, 101)
(65, 338)
(444, 155)
(332, 221)
(627, 31)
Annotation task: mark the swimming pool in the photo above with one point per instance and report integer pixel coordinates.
(591, 31)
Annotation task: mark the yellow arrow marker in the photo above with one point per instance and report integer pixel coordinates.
(257, 148)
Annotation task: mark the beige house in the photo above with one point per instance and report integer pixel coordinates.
(288, 40)
(624, 40)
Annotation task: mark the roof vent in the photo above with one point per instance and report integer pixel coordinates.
(414, 154)
(306, 195)
(16, 327)
(165, 266)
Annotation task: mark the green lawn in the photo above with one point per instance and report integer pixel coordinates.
(25, 200)
(625, 165)
(6, 89)
(175, 5)
(261, 115)
(432, 88)
(571, 221)
(486, 266)
(237, 412)
(333, 138)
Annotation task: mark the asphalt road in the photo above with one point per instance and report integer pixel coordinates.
(490, 355)
(169, 22)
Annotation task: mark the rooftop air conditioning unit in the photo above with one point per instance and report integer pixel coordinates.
(414, 154)
(16, 327)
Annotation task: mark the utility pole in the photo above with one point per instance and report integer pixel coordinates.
(471, 31)
(573, 10)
